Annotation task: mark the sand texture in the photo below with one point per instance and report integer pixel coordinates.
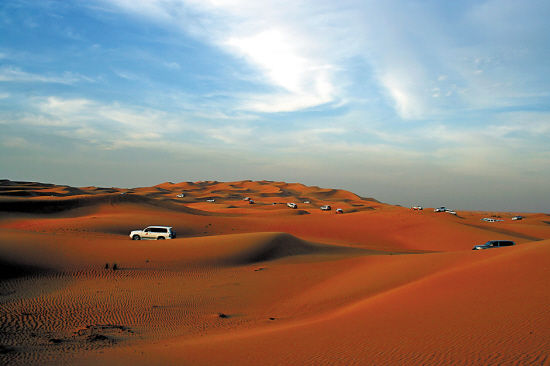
(264, 284)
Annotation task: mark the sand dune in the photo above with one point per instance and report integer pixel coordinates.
(262, 283)
(476, 320)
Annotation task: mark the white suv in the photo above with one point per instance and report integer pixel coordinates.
(153, 233)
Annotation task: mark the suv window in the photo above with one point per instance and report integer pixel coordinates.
(158, 230)
(506, 243)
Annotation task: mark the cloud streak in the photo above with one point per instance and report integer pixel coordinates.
(15, 74)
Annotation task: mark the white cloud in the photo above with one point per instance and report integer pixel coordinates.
(307, 81)
(409, 104)
(289, 46)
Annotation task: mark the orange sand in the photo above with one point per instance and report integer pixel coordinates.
(249, 284)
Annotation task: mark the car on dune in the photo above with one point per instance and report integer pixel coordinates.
(490, 219)
(515, 218)
(339, 211)
(440, 209)
(181, 195)
(292, 205)
(326, 208)
(418, 208)
(210, 200)
(491, 244)
(153, 233)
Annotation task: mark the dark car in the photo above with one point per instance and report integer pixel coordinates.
(494, 244)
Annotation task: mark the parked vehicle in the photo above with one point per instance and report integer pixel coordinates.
(250, 202)
(246, 199)
(153, 233)
(451, 212)
(419, 208)
(292, 205)
(307, 202)
(181, 195)
(517, 218)
(326, 208)
(494, 244)
(210, 200)
(339, 211)
(440, 209)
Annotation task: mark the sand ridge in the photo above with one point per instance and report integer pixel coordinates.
(263, 283)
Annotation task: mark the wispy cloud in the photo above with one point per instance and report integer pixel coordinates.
(301, 49)
(13, 142)
(15, 74)
(104, 125)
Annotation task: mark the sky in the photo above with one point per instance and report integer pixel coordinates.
(437, 103)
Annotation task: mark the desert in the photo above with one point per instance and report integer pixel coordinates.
(262, 283)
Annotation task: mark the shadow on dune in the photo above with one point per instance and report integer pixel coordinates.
(280, 245)
(9, 270)
(504, 231)
(51, 206)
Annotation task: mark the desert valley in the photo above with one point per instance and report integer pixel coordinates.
(256, 282)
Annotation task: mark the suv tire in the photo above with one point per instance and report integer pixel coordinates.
(136, 237)
(160, 238)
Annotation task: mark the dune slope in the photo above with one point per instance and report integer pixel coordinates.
(493, 311)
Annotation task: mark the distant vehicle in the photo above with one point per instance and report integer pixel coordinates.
(326, 208)
(440, 209)
(250, 202)
(292, 205)
(307, 202)
(339, 211)
(517, 218)
(419, 208)
(181, 195)
(494, 244)
(246, 199)
(210, 200)
(153, 233)
(490, 219)
(451, 212)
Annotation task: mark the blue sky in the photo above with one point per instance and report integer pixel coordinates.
(410, 102)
